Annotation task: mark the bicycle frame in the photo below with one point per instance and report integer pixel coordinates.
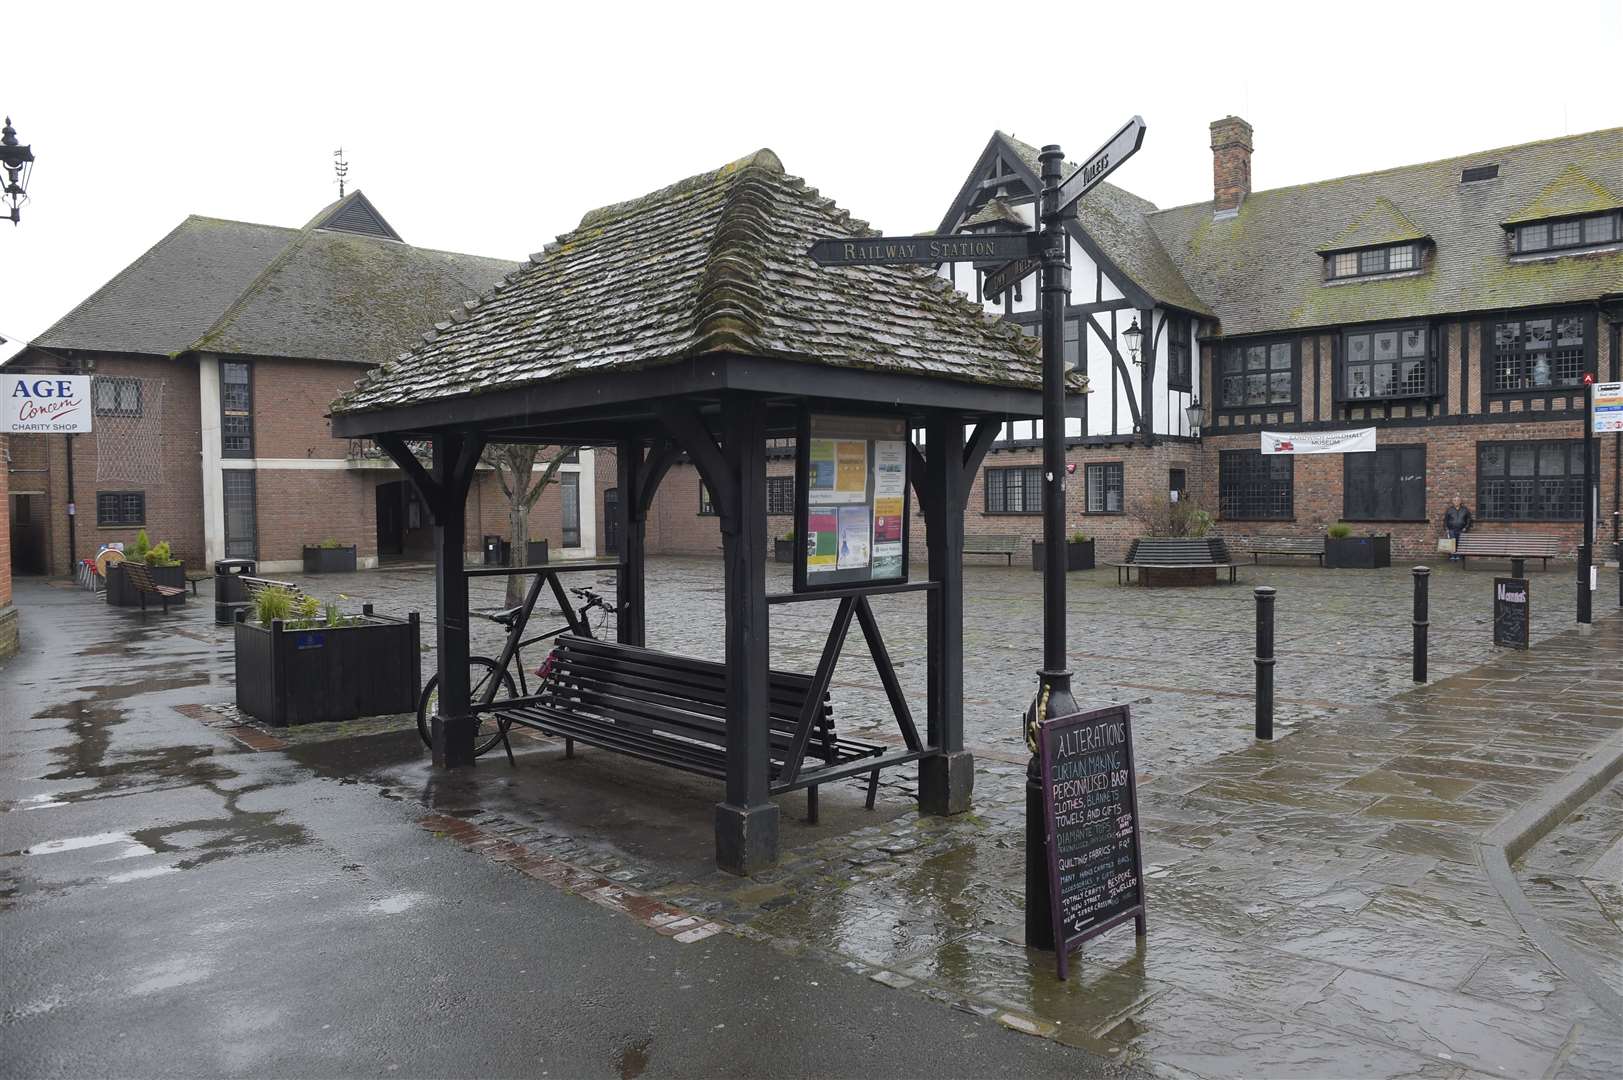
(511, 651)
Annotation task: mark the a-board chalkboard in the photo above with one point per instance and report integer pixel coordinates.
(1512, 612)
(1090, 811)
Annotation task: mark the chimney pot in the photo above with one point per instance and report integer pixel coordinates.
(1231, 162)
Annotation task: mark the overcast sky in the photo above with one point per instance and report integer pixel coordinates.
(490, 128)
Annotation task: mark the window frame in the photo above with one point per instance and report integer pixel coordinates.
(1358, 256)
(784, 486)
(1106, 470)
(246, 415)
(1180, 376)
(1002, 472)
(707, 507)
(1267, 343)
(1344, 363)
(116, 382)
(140, 520)
(1568, 478)
(1547, 227)
(1395, 452)
(1224, 474)
(1527, 359)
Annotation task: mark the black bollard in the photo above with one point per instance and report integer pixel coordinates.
(1265, 662)
(1518, 566)
(1422, 619)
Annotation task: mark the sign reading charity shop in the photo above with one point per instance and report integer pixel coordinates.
(45, 404)
(851, 502)
(1356, 441)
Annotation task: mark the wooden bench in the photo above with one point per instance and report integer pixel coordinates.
(1285, 545)
(1526, 546)
(1007, 546)
(1174, 553)
(671, 710)
(139, 575)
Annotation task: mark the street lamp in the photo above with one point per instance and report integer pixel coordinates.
(1133, 336)
(1196, 412)
(18, 162)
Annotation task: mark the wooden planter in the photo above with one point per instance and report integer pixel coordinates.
(1358, 552)
(120, 593)
(1078, 555)
(310, 676)
(329, 560)
(499, 556)
(783, 551)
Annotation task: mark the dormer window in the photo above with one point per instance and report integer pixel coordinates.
(1538, 237)
(1369, 261)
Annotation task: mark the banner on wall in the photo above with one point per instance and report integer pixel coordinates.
(1356, 441)
(45, 405)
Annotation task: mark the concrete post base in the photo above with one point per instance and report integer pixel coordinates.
(946, 783)
(453, 741)
(746, 838)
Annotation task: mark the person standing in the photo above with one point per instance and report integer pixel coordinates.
(1457, 520)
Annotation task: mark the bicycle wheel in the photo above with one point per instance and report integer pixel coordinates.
(481, 671)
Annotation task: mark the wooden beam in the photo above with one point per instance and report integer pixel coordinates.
(1120, 366)
(688, 430)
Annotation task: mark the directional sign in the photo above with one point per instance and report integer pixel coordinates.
(1607, 416)
(1006, 276)
(1122, 145)
(924, 250)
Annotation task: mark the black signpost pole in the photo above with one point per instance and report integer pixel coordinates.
(1586, 550)
(1054, 680)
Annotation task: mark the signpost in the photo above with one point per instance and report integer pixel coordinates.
(1050, 246)
(1007, 276)
(1090, 820)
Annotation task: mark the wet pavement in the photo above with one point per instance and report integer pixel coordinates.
(1316, 905)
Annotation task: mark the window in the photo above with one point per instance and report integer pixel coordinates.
(1387, 362)
(1177, 483)
(1530, 481)
(1030, 324)
(1539, 352)
(117, 396)
(569, 493)
(115, 508)
(1104, 488)
(1263, 374)
(1541, 236)
(1381, 260)
(1178, 355)
(236, 411)
(1252, 485)
(241, 519)
(780, 494)
(1386, 485)
(706, 507)
(1017, 490)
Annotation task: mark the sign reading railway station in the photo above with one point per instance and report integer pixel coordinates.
(45, 404)
(923, 250)
(1090, 818)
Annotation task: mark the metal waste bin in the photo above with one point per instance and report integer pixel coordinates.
(495, 550)
(229, 595)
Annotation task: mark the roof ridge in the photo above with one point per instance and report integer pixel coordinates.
(1412, 165)
(763, 158)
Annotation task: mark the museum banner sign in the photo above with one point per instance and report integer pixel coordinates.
(1355, 441)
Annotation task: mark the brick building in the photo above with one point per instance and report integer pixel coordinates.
(215, 356)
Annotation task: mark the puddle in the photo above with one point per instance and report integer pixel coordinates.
(632, 1058)
(394, 905)
(74, 843)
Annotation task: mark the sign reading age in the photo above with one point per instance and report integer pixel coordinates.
(45, 404)
(851, 502)
(1090, 817)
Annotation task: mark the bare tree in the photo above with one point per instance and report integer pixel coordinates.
(522, 483)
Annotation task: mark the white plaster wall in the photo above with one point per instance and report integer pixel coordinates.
(208, 382)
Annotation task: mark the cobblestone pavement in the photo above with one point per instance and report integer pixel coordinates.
(1316, 905)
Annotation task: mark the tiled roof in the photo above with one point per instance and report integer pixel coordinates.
(1383, 224)
(1261, 272)
(1573, 192)
(161, 302)
(996, 212)
(714, 264)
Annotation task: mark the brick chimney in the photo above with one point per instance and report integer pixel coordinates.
(1231, 162)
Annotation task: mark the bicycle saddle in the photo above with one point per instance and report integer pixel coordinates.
(505, 616)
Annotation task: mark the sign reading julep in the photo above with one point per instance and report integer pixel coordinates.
(1512, 611)
(1090, 818)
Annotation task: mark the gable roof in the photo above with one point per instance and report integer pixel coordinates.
(713, 264)
(1573, 192)
(1261, 270)
(354, 213)
(162, 301)
(1383, 224)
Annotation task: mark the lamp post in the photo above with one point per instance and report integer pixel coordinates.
(1134, 338)
(1196, 414)
(18, 161)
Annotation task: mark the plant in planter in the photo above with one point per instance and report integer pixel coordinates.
(1344, 551)
(1078, 553)
(329, 557)
(300, 660)
(165, 569)
(783, 548)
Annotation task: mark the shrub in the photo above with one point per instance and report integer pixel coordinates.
(790, 535)
(143, 544)
(271, 604)
(1182, 518)
(1339, 531)
(1079, 538)
(329, 544)
(159, 555)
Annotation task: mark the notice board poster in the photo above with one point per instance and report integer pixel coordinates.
(1512, 612)
(1090, 818)
(851, 504)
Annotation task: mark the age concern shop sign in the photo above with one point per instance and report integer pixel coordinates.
(45, 404)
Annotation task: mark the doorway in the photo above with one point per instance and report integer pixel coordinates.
(390, 512)
(27, 533)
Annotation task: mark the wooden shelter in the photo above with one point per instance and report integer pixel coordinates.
(691, 322)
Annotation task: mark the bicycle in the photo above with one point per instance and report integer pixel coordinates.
(489, 681)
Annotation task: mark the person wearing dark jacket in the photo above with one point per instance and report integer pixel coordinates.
(1457, 519)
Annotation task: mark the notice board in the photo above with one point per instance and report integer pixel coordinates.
(1090, 819)
(1512, 612)
(851, 504)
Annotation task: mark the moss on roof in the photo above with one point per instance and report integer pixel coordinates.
(1383, 224)
(1573, 192)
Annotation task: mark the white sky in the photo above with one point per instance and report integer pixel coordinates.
(490, 128)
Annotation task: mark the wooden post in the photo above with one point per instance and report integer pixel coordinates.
(630, 622)
(452, 728)
(946, 783)
(747, 822)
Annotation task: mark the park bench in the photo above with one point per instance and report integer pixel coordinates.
(1174, 553)
(1285, 545)
(139, 575)
(671, 710)
(1527, 546)
(1007, 546)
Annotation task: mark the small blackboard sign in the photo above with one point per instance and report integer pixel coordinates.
(1512, 612)
(1090, 812)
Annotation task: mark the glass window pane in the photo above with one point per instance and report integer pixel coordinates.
(1521, 460)
(1491, 459)
(1232, 360)
(1401, 257)
(1506, 334)
(1372, 262)
(1279, 387)
(1346, 264)
(1565, 233)
(1234, 390)
(1357, 348)
(1386, 345)
(1279, 356)
(1414, 341)
(1358, 382)
(1256, 357)
(1532, 238)
(1576, 468)
(1385, 379)
(1569, 331)
(1552, 459)
(1598, 230)
(1256, 389)
(1537, 333)
(1414, 376)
